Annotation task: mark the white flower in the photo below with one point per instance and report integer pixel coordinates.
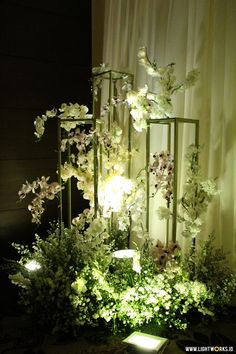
(20, 280)
(132, 97)
(43, 190)
(67, 171)
(198, 290)
(96, 227)
(163, 213)
(51, 113)
(72, 111)
(39, 127)
(79, 285)
(142, 53)
(151, 68)
(40, 121)
(209, 186)
(148, 105)
(143, 91)
(182, 288)
(136, 262)
(100, 69)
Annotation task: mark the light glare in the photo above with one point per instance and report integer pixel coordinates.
(145, 341)
(32, 265)
(124, 253)
(111, 193)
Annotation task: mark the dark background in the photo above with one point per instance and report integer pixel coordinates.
(45, 60)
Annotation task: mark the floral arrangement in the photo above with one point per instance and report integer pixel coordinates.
(73, 277)
(209, 265)
(45, 274)
(197, 195)
(43, 190)
(116, 192)
(148, 105)
(165, 254)
(89, 286)
(162, 168)
(69, 114)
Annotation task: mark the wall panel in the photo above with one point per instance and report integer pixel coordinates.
(45, 60)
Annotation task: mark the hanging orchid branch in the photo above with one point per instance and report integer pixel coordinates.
(43, 190)
(197, 195)
(69, 114)
(117, 194)
(162, 168)
(149, 105)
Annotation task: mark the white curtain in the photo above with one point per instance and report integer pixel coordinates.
(191, 33)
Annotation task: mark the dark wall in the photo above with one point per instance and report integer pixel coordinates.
(45, 60)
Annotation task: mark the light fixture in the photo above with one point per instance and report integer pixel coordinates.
(111, 193)
(127, 253)
(32, 265)
(148, 343)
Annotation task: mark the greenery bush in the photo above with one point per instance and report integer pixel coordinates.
(78, 282)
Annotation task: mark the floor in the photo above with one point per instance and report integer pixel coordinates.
(18, 334)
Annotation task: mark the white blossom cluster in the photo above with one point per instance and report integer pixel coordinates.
(69, 114)
(145, 104)
(197, 195)
(43, 190)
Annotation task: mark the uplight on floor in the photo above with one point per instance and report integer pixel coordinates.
(150, 343)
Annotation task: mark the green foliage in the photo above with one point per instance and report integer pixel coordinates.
(209, 265)
(79, 283)
(46, 292)
(127, 299)
(198, 193)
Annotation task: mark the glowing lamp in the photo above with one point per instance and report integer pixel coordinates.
(146, 342)
(32, 265)
(129, 253)
(111, 193)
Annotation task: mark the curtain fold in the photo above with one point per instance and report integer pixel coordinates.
(191, 33)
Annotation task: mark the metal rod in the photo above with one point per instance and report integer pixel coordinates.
(130, 138)
(129, 164)
(172, 120)
(197, 144)
(59, 170)
(95, 160)
(168, 204)
(106, 73)
(69, 206)
(197, 133)
(175, 188)
(110, 113)
(147, 174)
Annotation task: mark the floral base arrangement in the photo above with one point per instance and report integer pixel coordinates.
(70, 280)
(86, 274)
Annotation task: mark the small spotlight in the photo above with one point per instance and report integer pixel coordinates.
(32, 265)
(129, 253)
(146, 342)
